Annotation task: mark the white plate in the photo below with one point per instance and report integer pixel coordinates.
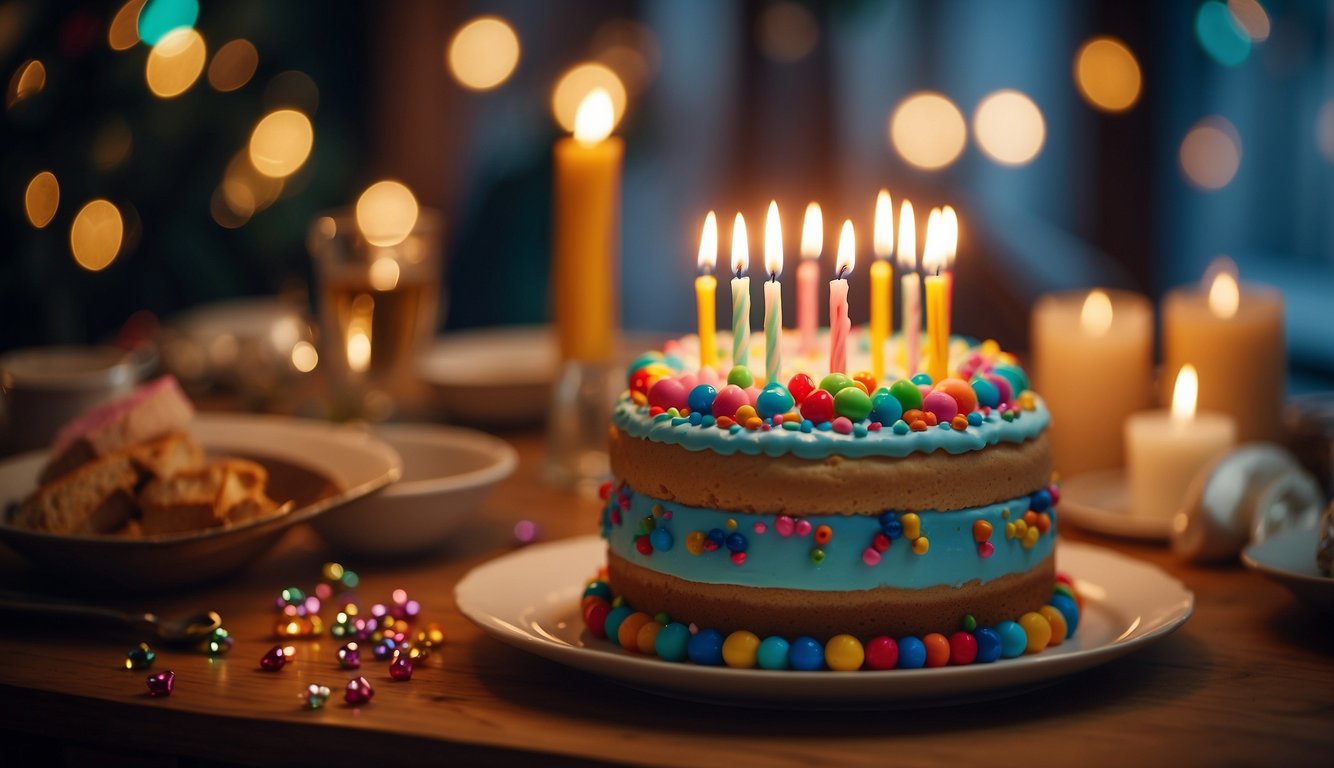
(530, 599)
(1098, 502)
(1289, 558)
(313, 455)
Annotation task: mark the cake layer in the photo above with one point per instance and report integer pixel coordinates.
(835, 484)
(863, 613)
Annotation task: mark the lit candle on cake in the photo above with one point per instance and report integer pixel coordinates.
(808, 274)
(839, 324)
(740, 293)
(1165, 450)
(937, 322)
(1092, 362)
(587, 231)
(910, 290)
(705, 287)
(882, 243)
(1233, 334)
(773, 295)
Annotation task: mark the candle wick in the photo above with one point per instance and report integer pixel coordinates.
(773, 277)
(842, 271)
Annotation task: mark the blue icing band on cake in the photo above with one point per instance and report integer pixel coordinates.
(772, 560)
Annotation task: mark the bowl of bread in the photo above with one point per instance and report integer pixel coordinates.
(144, 493)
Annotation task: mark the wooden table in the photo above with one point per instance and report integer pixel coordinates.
(1248, 680)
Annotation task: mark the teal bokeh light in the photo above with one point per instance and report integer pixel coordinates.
(1220, 35)
(162, 16)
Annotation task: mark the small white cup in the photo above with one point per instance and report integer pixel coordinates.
(44, 388)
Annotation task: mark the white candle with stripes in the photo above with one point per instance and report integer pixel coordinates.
(740, 293)
(773, 295)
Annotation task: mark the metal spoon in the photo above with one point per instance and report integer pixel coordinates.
(180, 631)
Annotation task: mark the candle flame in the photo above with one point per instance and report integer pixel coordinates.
(847, 250)
(1095, 318)
(708, 245)
(740, 247)
(1184, 395)
(1224, 295)
(882, 237)
(933, 249)
(951, 223)
(907, 252)
(812, 232)
(773, 241)
(595, 117)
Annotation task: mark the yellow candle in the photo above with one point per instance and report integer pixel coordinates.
(705, 287)
(587, 232)
(882, 242)
(1092, 363)
(937, 318)
(1233, 335)
(1166, 450)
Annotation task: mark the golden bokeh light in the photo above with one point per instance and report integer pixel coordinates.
(1107, 74)
(1211, 153)
(384, 273)
(1251, 17)
(304, 356)
(386, 213)
(222, 212)
(28, 80)
(928, 130)
(483, 53)
(123, 33)
(245, 191)
(1009, 127)
(233, 65)
(96, 235)
(41, 199)
(281, 142)
(580, 81)
(175, 63)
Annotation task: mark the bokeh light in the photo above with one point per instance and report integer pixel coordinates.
(383, 273)
(1211, 153)
(787, 31)
(159, 17)
(281, 142)
(1251, 17)
(1009, 127)
(304, 356)
(386, 213)
(41, 199)
(175, 62)
(1324, 131)
(1220, 35)
(96, 234)
(483, 53)
(928, 130)
(28, 80)
(123, 33)
(246, 191)
(580, 81)
(630, 50)
(233, 65)
(1107, 74)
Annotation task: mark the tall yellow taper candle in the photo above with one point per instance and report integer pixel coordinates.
(587, 231)
(882, 297)
(706, 286)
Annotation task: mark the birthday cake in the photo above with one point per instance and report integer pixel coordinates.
(830, 510)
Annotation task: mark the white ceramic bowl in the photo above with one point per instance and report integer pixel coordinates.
(447, 471)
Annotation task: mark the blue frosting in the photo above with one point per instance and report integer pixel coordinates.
(772, 560)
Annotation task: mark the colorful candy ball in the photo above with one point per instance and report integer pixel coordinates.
(907, 393)
(667, 393)
(773, 653)
(671, 642)
(140, 657)
(740, 376)
(161, 683)
(988, 645)
(882, 653)
(987, 394)
(941, 404)
(937, 649)
(818, 407)
(740, 649)
(1057, 621)
(1038, 630)
(844, 653)
(963, 648)
(885, 407)
(1069, 610)
(800, 387)
(706, 648)
(728, 400)
(835, 382)
(912, 653)
(1014, 640)
(773, 400)
(700, 399)
(964, 397)
(806, 654)
(612, 626)
(852, 403)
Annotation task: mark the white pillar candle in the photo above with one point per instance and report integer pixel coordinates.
(1165, 450)
(1092, 363)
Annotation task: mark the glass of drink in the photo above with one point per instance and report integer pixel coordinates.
(378, 304)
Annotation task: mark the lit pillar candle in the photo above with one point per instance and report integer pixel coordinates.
(773, 295)
(587, 231)
(1233, 335)
(882, 243)
(808, 274)
(937, 321)
(1165, 450)
(705, 286)
(1092, 363)
(839, 324)
(740, 293)
(910, 291)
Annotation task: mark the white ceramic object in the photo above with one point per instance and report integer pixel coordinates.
(492, 376)
(1288, 557)
(1100, 502)
(333, 464)
(530, 599)
(447, 471)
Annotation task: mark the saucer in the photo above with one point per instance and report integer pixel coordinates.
(1289, 558)
(1099, 502)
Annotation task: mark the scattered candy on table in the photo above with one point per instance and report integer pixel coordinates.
(349, 656)
(276, 658)
(217, 643)
(161, 683)
(140, 657)
(400, 666)
(358, 692)
(314, 696)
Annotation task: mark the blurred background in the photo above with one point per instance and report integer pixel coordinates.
(165, 155)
